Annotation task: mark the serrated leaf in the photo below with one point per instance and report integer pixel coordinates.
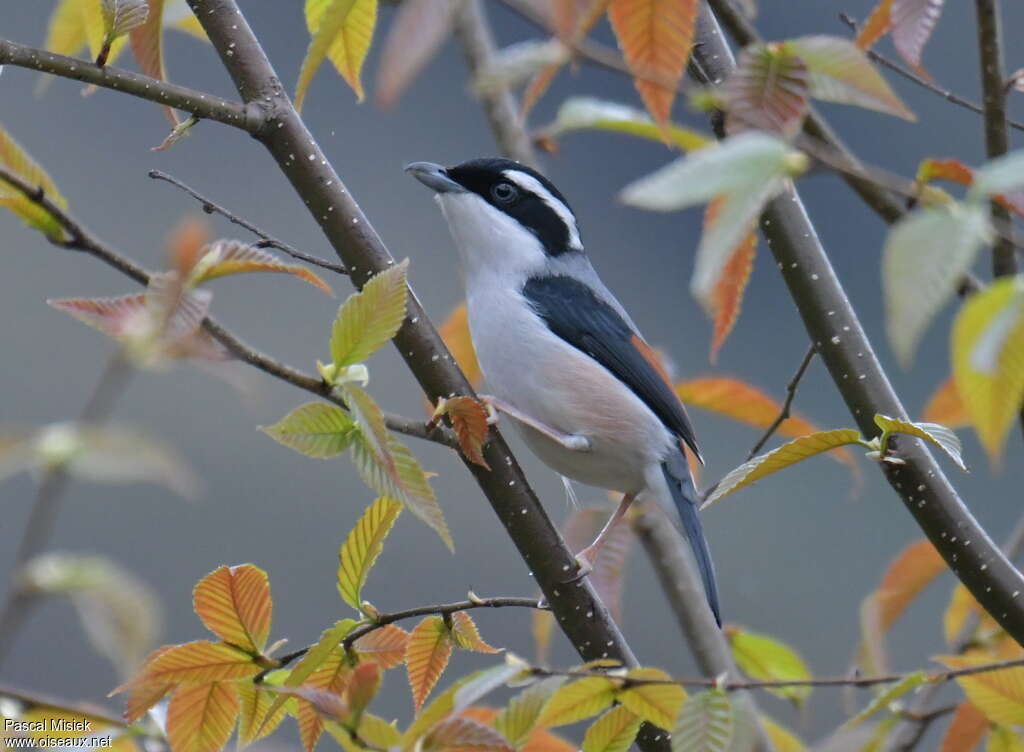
(946, 407)
(1004, 174)
(315, 429)
(199, 662)
(607, 576)
(965, 730)
(988, 360)
(234, 603)
(768, 90)
(116, 317)
(840, 72)
(781, 738)
(656, 39)
(361, 548)
(934, 433)
(361, 689)
(18, 161)
(612, 732)
(417, 32)
(329, 682)
(518, 719)
(925, 256)
(94, 24)
(455, 333)
(385, 646)
(778, 459)
(999, 695)
(370, 317)
(1003, 739)
(723, 301)
(590, 113)
(226, 257)
(341, 32)
(253, 721)
(579, 699)
(912, 24)
(657, 703)
(890, 695)
(463, 735)
(705, 723)
(147, 42)
(426, 655)
(201, 719)
(466, 636)
(121, 16)
(469, 420)
(765, 658)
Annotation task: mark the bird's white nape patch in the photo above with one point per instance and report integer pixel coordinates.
(534, 186)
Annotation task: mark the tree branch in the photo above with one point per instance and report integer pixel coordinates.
(81, 239)
(791, 388)
(864, 386)
(578, 609)
(248, 117)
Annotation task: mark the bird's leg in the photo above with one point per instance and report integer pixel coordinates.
(573, 442)
(588, 555)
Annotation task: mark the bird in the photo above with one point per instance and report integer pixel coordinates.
(560, 355)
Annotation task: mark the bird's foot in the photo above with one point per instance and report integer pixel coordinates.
(492, 412)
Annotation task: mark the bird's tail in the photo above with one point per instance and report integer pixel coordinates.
(684, 494)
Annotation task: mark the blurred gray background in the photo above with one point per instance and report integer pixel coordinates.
(795, 554)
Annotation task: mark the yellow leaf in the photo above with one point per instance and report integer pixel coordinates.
(455, 333)
(962, 606)
(765, 658)
(253, 723)
(783, 457)
(225, 257)
(384, 646)
(17, 160)
(341, 31)
(939, 435)
(612, 732)
(370, 317)
(542, 624)
(426, 655)
(1003, 739)
(234, 603)
(577, 700)
(362, 547)
(197, 662)
(656, 703)
(518, 720)
(331, 678)
(988, 360)
(966, 729)
(878, 23)
(65, 33)
(656, 37)
(946, 407)
(578, 113)
(997, 694)
(315, 429)
(201, 719)
(781, 738)
(466, 636)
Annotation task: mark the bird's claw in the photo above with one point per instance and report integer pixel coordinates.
(492, 412)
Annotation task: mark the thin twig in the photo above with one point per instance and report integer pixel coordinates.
(200, 104)
(81, 239)
(783, 415)
(267, 241)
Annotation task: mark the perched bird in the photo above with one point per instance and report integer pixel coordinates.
(561, 356)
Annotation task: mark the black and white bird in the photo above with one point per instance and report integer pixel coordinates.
(561, 356)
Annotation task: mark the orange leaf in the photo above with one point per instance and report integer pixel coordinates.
(952, 170)
(464, 735)
(747, 404)
(965, 729)
(727, 295)
(256, 702)
(455, 333)
(362, 687)
(201, 719)
(656, 37)
(469, 419)
(542, 740)
(466, 636)
(330, 678)
(234, 603)
(385, 646)
(148, 48)
(426, 655)
(878, 23)
(225, 257)
(910, 572)
(962, 606)
(197, 662)
(946, 407)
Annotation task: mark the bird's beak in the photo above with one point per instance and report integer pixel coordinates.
(434, 176)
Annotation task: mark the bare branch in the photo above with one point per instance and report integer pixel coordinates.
(791, 388)
(197, 103)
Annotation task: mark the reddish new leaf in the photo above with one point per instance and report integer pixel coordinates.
(946, 408)
(469, 419)
(186, 245)
(201, 719)
(464, 735)
(768, 90)
(115, 317)
(957, 172)
(148, 47)
(466, 636)
(234, 603)
(725, 300)
(199, 662)
(226, 257)
(656, 37)
(426, 656)
(912, 24)
(385, 646)
(417, 32)
(362, 688)
(141, 698)
(966, 729)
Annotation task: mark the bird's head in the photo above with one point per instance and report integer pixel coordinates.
(503, 216)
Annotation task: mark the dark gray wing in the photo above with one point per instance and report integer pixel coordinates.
(573, 312)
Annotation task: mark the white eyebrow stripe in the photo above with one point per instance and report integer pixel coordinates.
(531, 184)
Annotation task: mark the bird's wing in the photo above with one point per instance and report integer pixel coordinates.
(573, 312)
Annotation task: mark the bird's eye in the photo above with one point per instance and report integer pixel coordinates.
(504, 193)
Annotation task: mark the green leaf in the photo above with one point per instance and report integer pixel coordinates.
(362, 547)
(372, 427)
(371, 317)
(782, 457)
(341, 31)
(577, 700)
(939, 435)
(925, 256)
(519, 717)
(121, 16)
(657, 703)
(882, 702)
(1004, 739)
(705, 723)
(17, 160)
(590, 113)
(1002, 175)
(988, 359)
(315, 429)
(840, 72)
(767, 659)
(612, 732)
